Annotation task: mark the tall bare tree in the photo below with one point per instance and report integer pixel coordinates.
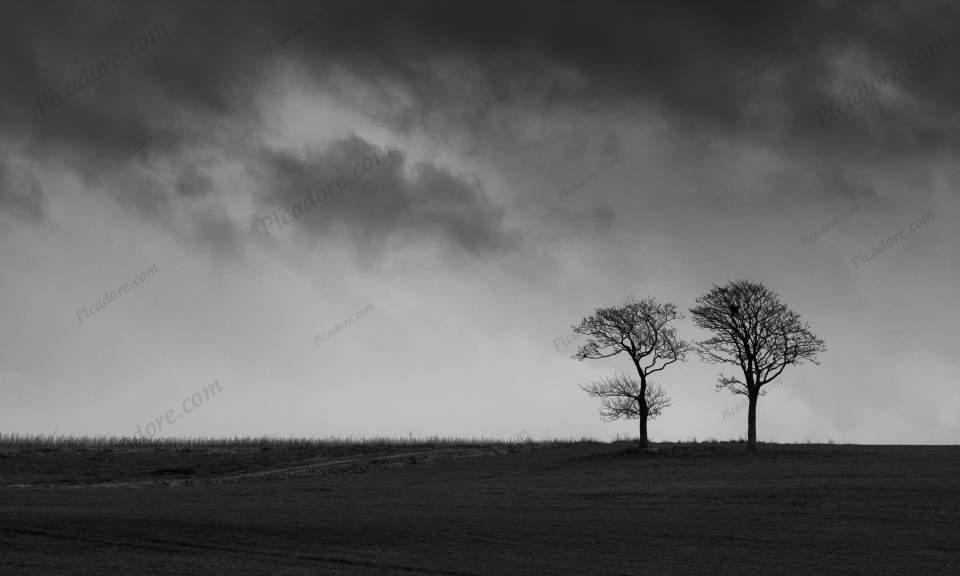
(754, 330)
(639, 329)
(622, 397)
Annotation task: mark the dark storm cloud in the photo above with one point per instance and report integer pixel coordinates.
(373, 195)
(192, 182)
(682, 59)
(20, 193)
(682, 56)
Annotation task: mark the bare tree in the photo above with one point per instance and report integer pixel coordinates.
(639, 329)
(753, 330)
(622, 397)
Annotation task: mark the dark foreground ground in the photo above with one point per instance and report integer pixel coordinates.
(569, 509)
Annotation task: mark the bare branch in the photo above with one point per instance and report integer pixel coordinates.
(733, 384)
(620, 397)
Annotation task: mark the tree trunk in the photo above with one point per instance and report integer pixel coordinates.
(752, 421)
(644, 410)
(643, 432)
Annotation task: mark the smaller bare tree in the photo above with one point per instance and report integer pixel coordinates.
(640, 329)
(624, 397)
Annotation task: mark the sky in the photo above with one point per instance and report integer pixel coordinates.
(375, 218)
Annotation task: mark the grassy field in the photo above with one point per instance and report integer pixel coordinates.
(288, 507)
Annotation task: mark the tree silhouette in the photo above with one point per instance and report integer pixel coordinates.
(641, 330)
(753, 330)
(622, 397)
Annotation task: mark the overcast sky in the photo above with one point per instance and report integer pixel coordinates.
(526, 163)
